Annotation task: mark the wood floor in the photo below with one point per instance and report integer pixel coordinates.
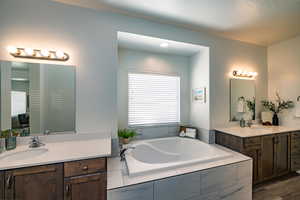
(287, 188)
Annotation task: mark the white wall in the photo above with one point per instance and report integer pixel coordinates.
(90, 37)
(284, 75)
(155, 63)
(5, 98)
(199, 77)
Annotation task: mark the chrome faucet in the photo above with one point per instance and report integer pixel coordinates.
(123, 151)
(35, 142)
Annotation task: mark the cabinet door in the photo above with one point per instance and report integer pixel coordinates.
(268, 157)
(87, 187)
(283, 154)
(295, 151)
(1, 185)
(255, 154)
(34, 183)
(178, 188)
(142, 191)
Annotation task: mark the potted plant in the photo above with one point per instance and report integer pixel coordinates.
(277, 107)
(126, 135)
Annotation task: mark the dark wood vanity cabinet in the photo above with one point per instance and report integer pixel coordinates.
(295, 151)
(91, 187)
(34, 183)
(271, 154)
(76, 180)
(1, 185)
(85, 179)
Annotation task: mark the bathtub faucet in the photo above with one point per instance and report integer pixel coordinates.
(123, 151)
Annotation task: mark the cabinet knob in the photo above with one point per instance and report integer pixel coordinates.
(84, 168)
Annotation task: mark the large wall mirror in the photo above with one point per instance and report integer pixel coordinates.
(242, 99)
(37, 98)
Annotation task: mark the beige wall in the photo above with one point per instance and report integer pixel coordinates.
(90, 37)
(284, 75)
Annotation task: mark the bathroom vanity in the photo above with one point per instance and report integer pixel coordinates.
(83, 179)
(275, 150)
(70, 169)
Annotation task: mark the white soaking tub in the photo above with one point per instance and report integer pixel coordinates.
(168, 153)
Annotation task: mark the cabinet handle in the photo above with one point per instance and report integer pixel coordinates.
(9, 181)
(68, 189)
(85, 168)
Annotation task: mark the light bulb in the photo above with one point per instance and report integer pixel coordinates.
(29, 51)
(60, 54)
(12, 49)
(45, 53)
(164, 45)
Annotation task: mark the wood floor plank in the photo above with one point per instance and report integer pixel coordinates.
(287, 188)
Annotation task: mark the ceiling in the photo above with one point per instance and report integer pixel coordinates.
(146, 43)
(261, 22)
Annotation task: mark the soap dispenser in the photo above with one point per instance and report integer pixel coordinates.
(242, 123)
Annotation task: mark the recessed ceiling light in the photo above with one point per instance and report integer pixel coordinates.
(164, 45)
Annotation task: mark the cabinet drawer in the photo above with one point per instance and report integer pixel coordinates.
(83, 167)
(253, 142)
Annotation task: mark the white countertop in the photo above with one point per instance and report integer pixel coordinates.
(117, 174)
(256, 130)
(61, 149)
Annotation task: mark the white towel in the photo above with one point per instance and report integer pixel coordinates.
(297, 109)
(190, 133)
(240, 107)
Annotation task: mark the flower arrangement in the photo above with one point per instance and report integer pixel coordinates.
(126, 135)
(251, 106)
(278, 106)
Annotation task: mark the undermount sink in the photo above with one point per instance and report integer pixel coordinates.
(23, 155)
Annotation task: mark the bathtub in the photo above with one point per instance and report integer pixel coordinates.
(167, 153)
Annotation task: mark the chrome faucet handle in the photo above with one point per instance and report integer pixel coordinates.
(35, 142)
(123, 151)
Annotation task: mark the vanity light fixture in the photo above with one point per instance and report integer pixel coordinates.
(42, 54)
(243, 74)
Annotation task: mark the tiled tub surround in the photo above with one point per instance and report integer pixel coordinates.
(156, 155)
(229, 178)
(59, 148)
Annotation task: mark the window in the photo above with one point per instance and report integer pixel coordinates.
(153, 99)
(18, 103)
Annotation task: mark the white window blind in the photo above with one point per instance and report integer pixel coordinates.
(18, 103)
(153, 99)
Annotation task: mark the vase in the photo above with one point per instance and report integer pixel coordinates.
(275, 120)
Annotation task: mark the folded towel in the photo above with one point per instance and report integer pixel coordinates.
(240, 108)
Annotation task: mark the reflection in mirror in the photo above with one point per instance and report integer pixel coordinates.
(37, 98)
(242, 99)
